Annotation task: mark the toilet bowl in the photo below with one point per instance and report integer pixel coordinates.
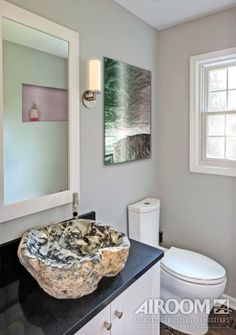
(190, 282)
(194, 281)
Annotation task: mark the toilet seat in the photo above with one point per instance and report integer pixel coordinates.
(192, 267)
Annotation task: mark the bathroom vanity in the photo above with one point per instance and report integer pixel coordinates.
(25, 309)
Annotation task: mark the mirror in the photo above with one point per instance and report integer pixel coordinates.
(39, 110)
(35, 113)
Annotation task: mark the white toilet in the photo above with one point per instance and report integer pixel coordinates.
(185, 275)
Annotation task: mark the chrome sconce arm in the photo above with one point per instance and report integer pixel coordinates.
(89, 98)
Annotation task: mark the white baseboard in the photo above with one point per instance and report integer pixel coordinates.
(232, 300)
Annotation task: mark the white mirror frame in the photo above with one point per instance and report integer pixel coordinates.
(31, 206)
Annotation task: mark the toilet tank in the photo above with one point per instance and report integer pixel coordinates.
(143, 219)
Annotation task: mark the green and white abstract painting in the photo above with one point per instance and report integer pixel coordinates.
(127, 109)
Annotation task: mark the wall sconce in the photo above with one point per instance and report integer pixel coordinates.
(89, 96)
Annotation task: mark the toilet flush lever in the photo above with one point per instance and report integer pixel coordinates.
(75, 205)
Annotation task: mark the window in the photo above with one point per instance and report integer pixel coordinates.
(213, 113)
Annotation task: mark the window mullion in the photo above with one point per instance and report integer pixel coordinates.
(204, 135)
(225, 137)
(204, 111)
(222, 113)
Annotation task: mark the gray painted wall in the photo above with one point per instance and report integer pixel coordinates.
(105, 29)
(197, 211)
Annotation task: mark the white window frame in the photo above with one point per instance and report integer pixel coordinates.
(198, 162)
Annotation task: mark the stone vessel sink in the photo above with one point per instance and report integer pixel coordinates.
(68, 259)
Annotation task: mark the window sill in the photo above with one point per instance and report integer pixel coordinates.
(204, 167)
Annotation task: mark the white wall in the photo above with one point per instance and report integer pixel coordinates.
(197, 211)
(105, 29)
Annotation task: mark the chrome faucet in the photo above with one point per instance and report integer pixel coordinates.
(75, 205)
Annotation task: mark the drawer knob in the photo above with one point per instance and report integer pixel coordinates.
(119, 314)
(107, 325)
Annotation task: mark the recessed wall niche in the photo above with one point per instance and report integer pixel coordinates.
(44, 103)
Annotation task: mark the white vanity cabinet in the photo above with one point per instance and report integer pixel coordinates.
(120, 314)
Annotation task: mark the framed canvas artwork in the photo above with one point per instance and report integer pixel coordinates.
(127, 112)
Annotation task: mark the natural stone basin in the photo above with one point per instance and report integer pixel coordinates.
(68, 259)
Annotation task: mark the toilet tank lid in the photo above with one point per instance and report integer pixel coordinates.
(145, 205)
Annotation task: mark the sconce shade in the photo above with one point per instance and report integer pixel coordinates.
(90, 95)
(95, 75)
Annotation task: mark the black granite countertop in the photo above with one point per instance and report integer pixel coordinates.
(25, 309)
